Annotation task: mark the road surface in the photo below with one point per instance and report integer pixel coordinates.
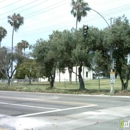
(40, 111)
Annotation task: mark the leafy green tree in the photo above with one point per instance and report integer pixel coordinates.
(99, 49)
(118, 37)
(29, 69)
(82, 56)
(3, 33)
(3, 52)
(45, 58)
(62, 47)
(2, 74)
(6, 59)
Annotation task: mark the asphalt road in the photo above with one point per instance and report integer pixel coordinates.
(39, 111)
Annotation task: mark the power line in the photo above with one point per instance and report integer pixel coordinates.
(48, 9)
(44, 31)
(18, 8)
(33, 7)
(35, 13)
(93, 17)
(10, 4)
(2, 1)
(25, 9)
(109, 13)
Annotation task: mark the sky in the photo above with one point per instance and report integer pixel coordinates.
(42, 17)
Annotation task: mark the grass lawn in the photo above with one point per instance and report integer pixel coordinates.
(92, 86)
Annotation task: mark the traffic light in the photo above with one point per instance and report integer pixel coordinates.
(85, 29)
(114, 63)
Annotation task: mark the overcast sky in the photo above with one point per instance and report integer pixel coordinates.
(41, 17)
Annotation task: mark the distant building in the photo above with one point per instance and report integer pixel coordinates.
(86, 74)
(128, 59)
(60, 76)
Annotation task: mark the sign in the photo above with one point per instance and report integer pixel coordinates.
(112, 77)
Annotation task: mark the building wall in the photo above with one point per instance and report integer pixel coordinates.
(86, 74)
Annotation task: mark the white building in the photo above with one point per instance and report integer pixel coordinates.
(86, 74)
(128, 59)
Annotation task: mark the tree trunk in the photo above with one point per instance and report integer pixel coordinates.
(12, 38)
(30, 81)
(99, 82)
(127, 79)
(59, 75)
(9, 82)
(52, 80)
(81, 82)
(124, 84)
(70, 74)
(76, 46)
(0, 44)
(12, 50)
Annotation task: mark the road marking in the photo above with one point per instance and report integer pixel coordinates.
(57, 110)
(4, 103)
(45, 100)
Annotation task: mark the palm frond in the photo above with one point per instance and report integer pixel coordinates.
(79, 9)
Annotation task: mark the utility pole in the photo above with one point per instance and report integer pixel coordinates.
(112, 73)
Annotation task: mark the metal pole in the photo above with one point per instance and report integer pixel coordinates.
(101, 16)
(111, 50)
(112, 63)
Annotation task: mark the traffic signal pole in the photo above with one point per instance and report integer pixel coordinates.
(112, 73)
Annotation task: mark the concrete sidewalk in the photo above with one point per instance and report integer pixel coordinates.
(15, 123)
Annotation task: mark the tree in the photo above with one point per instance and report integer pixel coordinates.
(118, 37)
(45, 58)
(29, 69)
(82, 56)
(3, 52)
(6, 59)
(62, 47)
(16, 20)
(3, 33)
(79, 10)
(22, 46)
(99, 49)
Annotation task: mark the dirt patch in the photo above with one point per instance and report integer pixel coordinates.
(123, 93)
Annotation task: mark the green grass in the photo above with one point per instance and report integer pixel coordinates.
(92, 86)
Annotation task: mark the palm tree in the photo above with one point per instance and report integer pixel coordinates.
(22, 46)
(16, 20)
(79, 10)
(25, 45)
(3, 33)
(19, 47)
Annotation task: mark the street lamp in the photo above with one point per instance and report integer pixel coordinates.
(112, 74)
